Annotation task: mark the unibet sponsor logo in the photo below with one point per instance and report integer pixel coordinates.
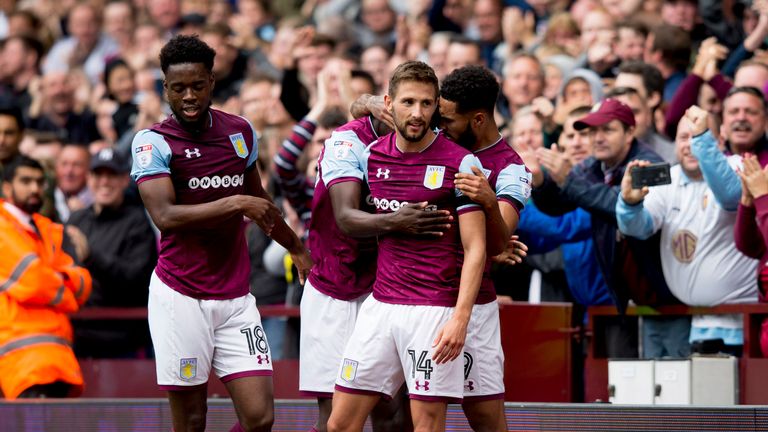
(385, 204)
(216, 182)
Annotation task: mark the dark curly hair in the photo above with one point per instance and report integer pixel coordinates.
(186, 49)
(471, 88)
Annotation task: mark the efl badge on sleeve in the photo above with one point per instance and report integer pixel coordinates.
(238, 142)
(433, 178)
(349, 370)
(143, 155)
(188, 369)
(341, 149)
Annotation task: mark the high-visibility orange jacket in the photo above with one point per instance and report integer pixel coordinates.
(39, 286)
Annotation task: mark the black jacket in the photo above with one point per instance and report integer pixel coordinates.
(631, 267)
(123, 253)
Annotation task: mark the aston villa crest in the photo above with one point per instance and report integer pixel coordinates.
(238, 142)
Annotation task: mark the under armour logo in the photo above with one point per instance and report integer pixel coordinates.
(424, 386)
(381, 172)
(262, 359)
(469, 386)
(195, 152)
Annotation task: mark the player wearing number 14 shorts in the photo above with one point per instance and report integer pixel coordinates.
(412, 328)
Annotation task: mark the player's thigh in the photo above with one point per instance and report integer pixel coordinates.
(242, 349)
(253, 397)
(181, 337)
(371, 363)
(326, 326)
(483, 355)
(415, 331)
(350, 410)
(393, 414)
(428, 415)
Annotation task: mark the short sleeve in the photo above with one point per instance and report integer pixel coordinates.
(255, 150)
(513, 185)
(151, 156)
(464, 204)
(345, 158)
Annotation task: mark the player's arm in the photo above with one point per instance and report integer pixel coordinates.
(450, 340)
(159, 198)
(409, 219)
(477, 188)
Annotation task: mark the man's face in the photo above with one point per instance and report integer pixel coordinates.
(311, 60)
(59, 95)
(523, 82)
(84, 25)
(107, 187)
(374, 61)
(640, 109)
(488, 20)
(460, 55)
(13, 60)
(577, 145)
(118, 21)
(527, 131)
(412, 107)
(683, 153)
(10, 137)
(166, 13)
(457, 127)
(630, 45)
(377, 15)
(437, 53)
(597, 26)
(72, 169)
(743, 121)
(577, 93)
(256, 99)
(680, 13)
(751, 76)
(25, 190)
(634, 81)
(611, 142)
(188, 88)
(225, 53)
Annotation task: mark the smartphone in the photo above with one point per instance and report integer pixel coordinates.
(652, 175)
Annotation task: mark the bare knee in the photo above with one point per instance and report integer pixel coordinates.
(196, 421)
(334, 425)
(258, 420)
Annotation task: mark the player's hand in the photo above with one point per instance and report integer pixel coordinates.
(628, 194)
(263, 212)
(303, 263)
(450, 340)
(413, 218)
(514, 252)
(476, 187)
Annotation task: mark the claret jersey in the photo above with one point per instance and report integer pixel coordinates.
(210, 262)
(411, 270)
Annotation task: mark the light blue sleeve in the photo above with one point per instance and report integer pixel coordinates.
(634, 220)
(720, 177)
(345, 157)
(151, 155)
(255, 150)
(514, 182)
(463, 202)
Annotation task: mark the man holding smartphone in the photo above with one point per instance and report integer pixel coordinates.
(699, 258)
(630, 267)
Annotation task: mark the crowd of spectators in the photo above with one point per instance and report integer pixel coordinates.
(78, 79)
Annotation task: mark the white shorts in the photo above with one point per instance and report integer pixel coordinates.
(483, 355)
(191, 336)
(392, 344)
(326, 325)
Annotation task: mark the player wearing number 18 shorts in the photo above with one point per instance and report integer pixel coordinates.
(197, 178)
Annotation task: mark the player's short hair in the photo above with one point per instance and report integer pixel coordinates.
(9, 171)
(413, 71)
(186, 49)
(471, 88)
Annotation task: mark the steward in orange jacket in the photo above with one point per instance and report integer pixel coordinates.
(39, 286)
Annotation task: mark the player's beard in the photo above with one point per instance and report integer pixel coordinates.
(467, 139)
(402, 128)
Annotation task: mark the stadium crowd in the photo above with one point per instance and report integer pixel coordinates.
(590, 89)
